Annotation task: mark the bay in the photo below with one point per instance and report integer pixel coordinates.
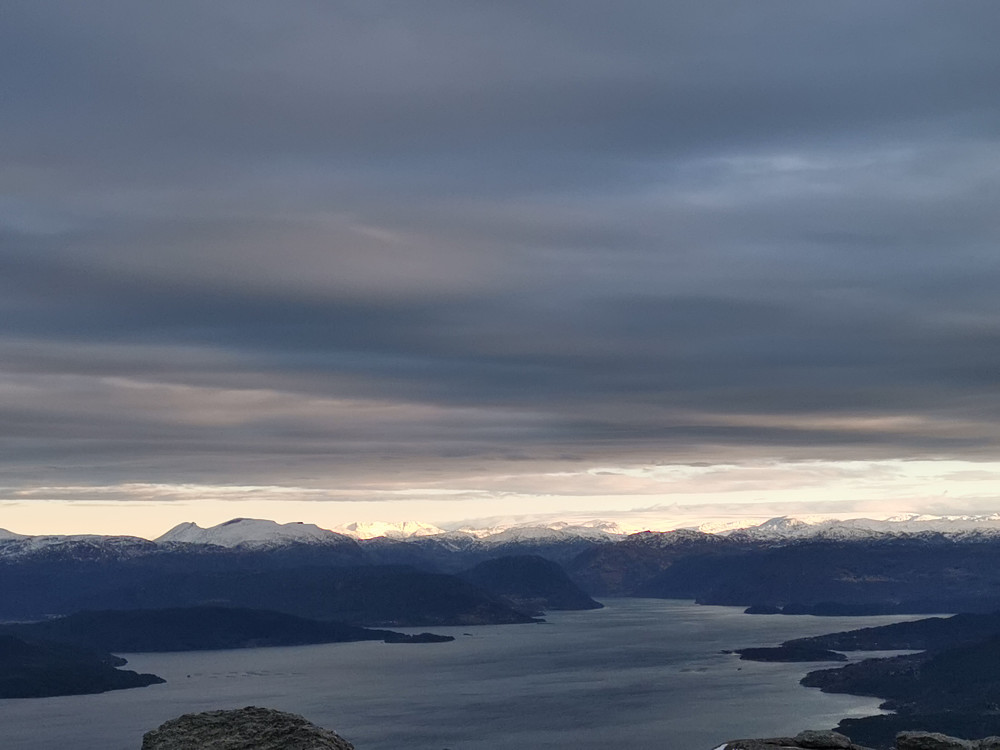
(643, 673)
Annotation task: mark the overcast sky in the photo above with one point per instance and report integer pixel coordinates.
(474, 258)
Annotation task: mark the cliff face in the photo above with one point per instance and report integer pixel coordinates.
(249, 728)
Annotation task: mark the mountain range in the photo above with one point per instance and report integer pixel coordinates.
(415, 574)
(258, 533)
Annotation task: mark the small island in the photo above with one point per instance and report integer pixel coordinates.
(394, 637)
(789, 653)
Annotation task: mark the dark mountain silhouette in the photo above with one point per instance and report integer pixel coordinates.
(530, 583)
(927, 573)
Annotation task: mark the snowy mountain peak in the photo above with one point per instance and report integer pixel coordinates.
(784, 524)
(250, 532)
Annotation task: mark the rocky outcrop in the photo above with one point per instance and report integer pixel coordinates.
(935, 741)
(811, 739)
(821, 740)
(249, 728)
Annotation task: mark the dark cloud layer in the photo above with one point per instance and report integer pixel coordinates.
(287, 240)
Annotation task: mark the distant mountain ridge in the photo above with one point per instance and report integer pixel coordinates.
(250, 532)
(786, 527)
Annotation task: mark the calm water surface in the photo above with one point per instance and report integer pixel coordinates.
(641, 673)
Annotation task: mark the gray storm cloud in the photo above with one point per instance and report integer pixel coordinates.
(289, 239)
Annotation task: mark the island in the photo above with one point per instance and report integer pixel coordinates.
(199, 629)
(41, 670)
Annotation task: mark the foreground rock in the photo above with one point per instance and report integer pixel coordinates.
(811, 739)
(816, 740)
(249, 728)
(935, 741)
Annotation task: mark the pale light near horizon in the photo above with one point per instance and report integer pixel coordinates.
(656, 497)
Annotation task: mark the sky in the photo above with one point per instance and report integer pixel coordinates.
(455, 259)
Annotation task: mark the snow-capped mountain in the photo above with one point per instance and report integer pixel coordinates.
(504, 533)
(78, 546)
(400, 530)
(251, 533)
(489, 535)
(788, 528)
(256, 534)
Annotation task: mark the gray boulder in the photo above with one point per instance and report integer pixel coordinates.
(822, 739)
(932, 741)
(249, 728)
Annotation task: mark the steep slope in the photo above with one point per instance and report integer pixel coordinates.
(530, 583)
(625, 568)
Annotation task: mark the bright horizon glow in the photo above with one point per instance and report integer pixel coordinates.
(655, 497)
